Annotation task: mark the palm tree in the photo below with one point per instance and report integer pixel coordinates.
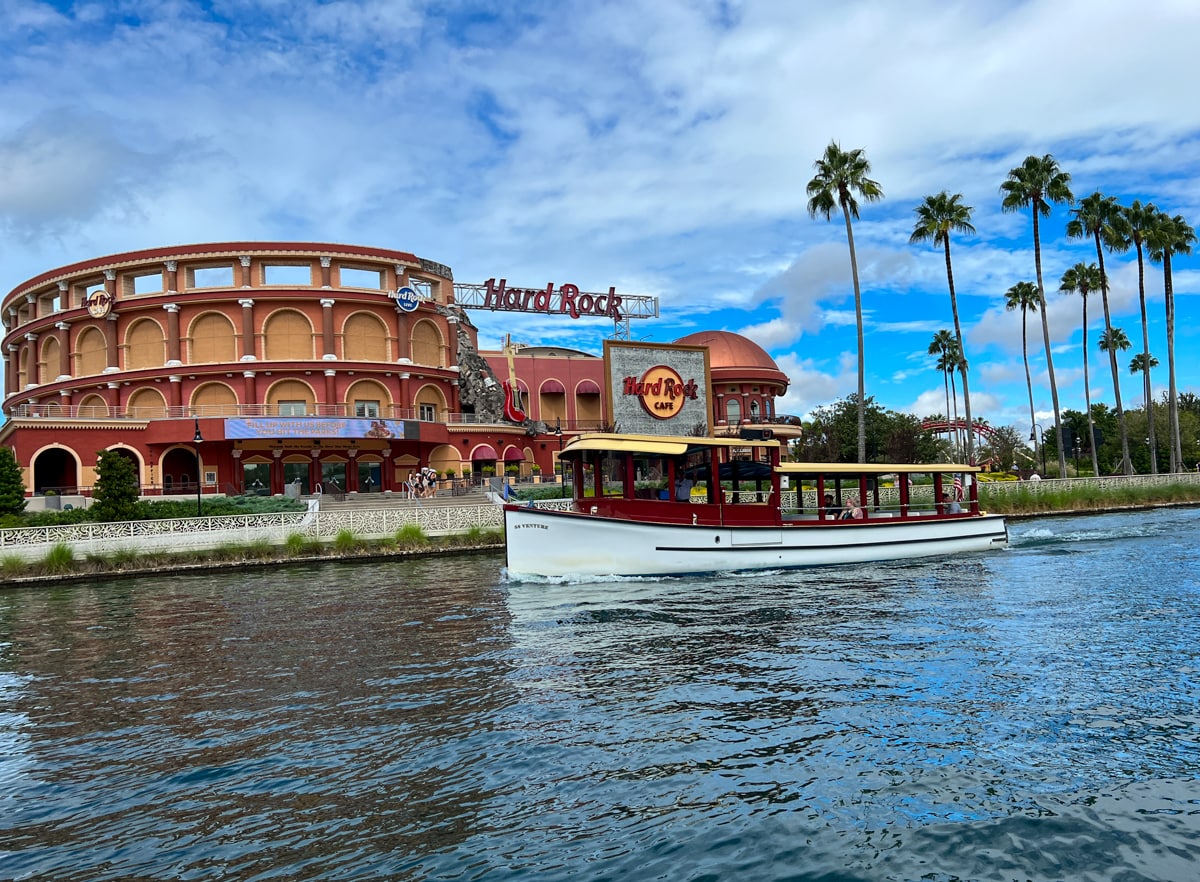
(841, 175)
(1101, 218)
(1143, 361)
(1085, 277)
(1035, 184)
(1023, 296)
(942, 345)
(1167, 237)
(1138, 219)
(937, 217)
(948, 363)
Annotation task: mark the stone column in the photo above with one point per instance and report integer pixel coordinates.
(64, 350)
(33, 306)
(114, 399)
(35, 371)
(327, 329)
(249, 392)
(330, 391)
(110, 285)
(64, 296)
(110, 337)
(403, 339)
(245, 262)
(176, 399)
(326, 272)
(173, 347)
(172, 268)
(352, 471)
(10, 369)
(406, 403)
(385, 477)
(248, 334)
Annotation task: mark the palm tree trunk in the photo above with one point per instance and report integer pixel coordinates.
(1172, 391)
(1028, 379)
(1087, 394)
(1126, 463)
(1037, 262)
(1146, 390)
(862, 420)
(962, 354)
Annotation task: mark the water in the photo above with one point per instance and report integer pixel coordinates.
(1028, 714)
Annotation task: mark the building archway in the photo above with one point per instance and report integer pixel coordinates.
(180, 470)
(55, 468)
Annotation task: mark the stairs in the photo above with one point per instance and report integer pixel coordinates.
(378, 501)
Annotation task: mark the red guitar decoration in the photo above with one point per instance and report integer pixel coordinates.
(514, 408)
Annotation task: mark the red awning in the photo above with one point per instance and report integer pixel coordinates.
(483, 452)
(513, 455)
(587, 387)
(553, 387)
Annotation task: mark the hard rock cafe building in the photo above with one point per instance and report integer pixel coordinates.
(254, 367)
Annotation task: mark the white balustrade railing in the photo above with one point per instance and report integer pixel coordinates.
(207, 533)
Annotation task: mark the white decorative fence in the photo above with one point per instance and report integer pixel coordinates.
(203, 533)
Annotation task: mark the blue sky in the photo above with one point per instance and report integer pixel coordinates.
(658, 146)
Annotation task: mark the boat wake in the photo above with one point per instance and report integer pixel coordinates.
(1086, 529)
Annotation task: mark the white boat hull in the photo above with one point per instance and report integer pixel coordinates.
(555, 543)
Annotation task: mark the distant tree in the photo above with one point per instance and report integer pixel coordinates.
(1005, 446)
(1084, 278)
(841, 176)
(937, 217)
(1100, 217)
(1035, 184)
(945, 348)
(1166, 237)
(1139, 219)
(12, 486)
(115, 494)
(1024, 296)
(1141, 362)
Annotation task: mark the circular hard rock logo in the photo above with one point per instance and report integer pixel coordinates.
(98, 304)
(663, 392)
(407, 298)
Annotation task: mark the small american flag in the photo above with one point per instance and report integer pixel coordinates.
(958, 491)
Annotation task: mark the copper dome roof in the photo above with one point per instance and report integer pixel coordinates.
(729, 350)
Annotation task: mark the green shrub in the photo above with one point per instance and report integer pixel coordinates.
(59, 560)
(345, 541)
(12, 565)
(411, 536)
(296, 544)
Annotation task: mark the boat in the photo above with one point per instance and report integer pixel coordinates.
(656, 505)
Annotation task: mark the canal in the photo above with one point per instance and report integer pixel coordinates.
(1026, 714)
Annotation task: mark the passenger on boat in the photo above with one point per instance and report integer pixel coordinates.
(951, 505)
(831, 509)
(852, 512)
(683, 489)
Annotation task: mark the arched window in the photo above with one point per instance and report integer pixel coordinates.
(212, 340)
(288, 337)
(145, 346)
(364, 338)
(90, 352)
(733, 411)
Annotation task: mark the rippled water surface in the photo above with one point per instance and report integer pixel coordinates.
(1028, 714)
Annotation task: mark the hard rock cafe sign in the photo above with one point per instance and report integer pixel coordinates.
(662, 391)
(98, 303)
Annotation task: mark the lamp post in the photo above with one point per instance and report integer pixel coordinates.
(1038, 436)
(197, 440)
(1078, 450)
